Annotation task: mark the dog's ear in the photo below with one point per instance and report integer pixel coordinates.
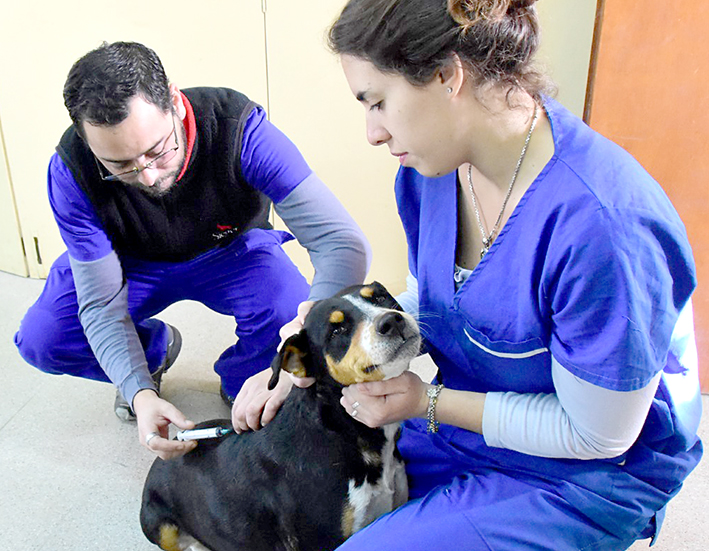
(292, 358)
(390, 302)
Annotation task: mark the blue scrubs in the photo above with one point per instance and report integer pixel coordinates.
(251, 279)
(592, 268)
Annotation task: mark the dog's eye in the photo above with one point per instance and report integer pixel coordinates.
(337, 330)
(379, 299)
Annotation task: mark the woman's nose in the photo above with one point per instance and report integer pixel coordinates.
(377, 134)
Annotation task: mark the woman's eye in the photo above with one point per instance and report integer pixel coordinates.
(377, 106)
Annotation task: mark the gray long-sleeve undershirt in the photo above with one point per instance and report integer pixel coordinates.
(338, 251)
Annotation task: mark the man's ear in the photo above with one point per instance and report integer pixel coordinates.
(177, 104)
(293, 358)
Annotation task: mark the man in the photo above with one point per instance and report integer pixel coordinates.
(163, 195)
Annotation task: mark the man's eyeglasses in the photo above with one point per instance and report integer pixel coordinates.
(159, 161)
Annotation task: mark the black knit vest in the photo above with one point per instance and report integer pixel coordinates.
(209, 206)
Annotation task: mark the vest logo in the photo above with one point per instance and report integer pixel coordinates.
(224, 230)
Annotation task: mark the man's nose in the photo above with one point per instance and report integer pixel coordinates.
(148, 176)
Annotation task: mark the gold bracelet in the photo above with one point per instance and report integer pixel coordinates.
(432, 394)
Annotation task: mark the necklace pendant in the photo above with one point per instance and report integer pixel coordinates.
(487, 242)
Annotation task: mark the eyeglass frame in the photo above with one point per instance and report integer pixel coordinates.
(135, 170)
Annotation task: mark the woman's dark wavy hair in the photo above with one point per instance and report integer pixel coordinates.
(102, 83)
(495, 39)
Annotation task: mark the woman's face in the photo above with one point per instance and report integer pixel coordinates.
(414, 121)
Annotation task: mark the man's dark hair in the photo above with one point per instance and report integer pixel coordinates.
(101, 84)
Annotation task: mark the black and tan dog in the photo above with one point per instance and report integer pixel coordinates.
(311, 477)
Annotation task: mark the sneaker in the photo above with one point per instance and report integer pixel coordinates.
(174, 345)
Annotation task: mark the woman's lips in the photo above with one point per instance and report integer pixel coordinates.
(402, 157)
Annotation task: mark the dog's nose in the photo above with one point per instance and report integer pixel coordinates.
(391, 324)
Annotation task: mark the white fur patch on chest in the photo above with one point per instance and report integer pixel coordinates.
(370, 501)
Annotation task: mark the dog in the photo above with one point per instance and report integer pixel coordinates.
(314, 475)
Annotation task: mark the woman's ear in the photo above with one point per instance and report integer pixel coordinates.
(452, 75)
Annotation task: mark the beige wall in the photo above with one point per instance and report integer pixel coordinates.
(39, 45)
(286, 68)
(312, 104)
(565, 51)
(12, 258)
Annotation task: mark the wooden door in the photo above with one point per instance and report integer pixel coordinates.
(648, 92)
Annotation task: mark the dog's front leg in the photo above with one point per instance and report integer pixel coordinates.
(401, 485)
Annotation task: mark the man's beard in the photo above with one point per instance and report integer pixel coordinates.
(163, 186)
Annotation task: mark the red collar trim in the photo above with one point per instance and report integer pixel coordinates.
(191, 132)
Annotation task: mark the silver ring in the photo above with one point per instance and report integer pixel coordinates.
(354, 413)
(355, 405)
(149, 437)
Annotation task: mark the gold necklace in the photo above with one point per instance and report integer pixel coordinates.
(487, 239)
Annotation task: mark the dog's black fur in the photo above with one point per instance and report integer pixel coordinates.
(312, 476)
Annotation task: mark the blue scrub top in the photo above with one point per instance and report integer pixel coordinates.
(593, 268)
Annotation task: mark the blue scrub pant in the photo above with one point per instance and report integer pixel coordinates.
(453, 507)
(251, 279)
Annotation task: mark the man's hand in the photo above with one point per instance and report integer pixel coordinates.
(255, 406)
(154, 415)
(291, 328)
(296, 324)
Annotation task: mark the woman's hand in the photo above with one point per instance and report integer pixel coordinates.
(382, 402)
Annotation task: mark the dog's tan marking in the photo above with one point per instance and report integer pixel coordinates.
(337, 317)
(293, 361)
(348, 520)
(370, 456)
(353, 367)
(366, 292)
(170, 537)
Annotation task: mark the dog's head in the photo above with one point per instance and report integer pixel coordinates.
(361, 334)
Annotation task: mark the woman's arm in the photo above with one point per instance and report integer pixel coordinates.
(579, 421)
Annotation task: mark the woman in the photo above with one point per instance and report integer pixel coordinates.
(552, 280)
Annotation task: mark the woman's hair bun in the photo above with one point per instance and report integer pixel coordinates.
(521, 4)
(469, 12)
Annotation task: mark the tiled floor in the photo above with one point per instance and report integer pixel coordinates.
(72, 474)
